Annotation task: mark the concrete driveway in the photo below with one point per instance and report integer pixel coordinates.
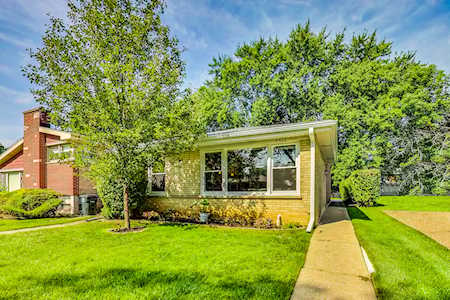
(435, 224)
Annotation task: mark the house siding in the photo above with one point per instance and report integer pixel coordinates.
(62, 178)
(320, 184)
(183, 179)
(16, 162)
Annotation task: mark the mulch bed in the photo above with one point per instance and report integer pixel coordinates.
(125, 230)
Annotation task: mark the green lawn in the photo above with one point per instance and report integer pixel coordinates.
(11, 224)
(408, 264)
(162, 262)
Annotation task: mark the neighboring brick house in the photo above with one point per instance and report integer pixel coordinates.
(30, 163)
(283, 169)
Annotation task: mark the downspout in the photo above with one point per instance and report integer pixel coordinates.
(312, 201)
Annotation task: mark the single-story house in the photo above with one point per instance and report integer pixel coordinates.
(284, 169)
(30, 163)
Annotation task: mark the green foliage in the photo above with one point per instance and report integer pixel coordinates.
(110, 192)
(393, 111)
(112, 75)
(344, 190)
(30, 203)
(2, 149)
(363, 186)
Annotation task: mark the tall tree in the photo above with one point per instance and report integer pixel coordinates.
(112, 75)
(392, 111)
(2, 149)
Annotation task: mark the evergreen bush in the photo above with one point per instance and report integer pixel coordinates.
(363, 186)
(111, 193)
(30, 203)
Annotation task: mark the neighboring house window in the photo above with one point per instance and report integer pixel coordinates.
(59, 152)
(284, 167)
(213, 171)
(157, 177)
(247, 170)
(269, 169)
(3, 182)
(10, 181)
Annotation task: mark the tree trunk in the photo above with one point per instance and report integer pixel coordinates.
(126, 212)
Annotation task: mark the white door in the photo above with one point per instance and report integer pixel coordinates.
(14, 181)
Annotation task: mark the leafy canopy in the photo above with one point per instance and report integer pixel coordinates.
(112, 75)
(393, 111)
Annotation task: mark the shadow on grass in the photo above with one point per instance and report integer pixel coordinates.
(158, 284)
(355, 213)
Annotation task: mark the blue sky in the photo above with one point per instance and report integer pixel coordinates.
(209, 28)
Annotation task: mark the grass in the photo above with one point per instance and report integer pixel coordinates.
(162, 262)
(12, 224)
(408, 264)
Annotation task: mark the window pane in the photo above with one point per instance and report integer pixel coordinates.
(247, 170)
(213, 161)
(213, 181)
(284, 179)
(284, 156)
(66, 148)
(53, 152)
(158, 182)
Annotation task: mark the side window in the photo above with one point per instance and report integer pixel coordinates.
(53, 152)
(213, 171)
(59, 152)
(284, 168)
(158, 176)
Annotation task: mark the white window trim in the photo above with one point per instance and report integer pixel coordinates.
(60, 150)
(7, 172)
(149, 175)
(269, 191)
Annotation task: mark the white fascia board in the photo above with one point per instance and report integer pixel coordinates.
(11, 151)
(62, 134)
(263, 133)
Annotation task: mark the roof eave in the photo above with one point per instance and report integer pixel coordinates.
(11, 151)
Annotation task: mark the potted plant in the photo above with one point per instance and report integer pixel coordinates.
(204, 211)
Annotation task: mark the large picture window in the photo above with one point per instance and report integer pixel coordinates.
(268, 170)
(284, 168)
(213, 171)
(247, 170)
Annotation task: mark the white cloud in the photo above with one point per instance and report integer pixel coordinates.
(21, 43)
(16, 97)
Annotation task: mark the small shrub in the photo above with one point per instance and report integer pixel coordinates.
(111, 194)
(263, 223)
(364, 186)
(344, 190)
(30, 203)
(151, 215)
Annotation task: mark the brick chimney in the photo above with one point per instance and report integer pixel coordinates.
(34, 148)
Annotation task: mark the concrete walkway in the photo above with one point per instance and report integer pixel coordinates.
(334, 267)
(46, 226)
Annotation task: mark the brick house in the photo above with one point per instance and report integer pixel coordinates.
(30, 163)
(283, 169)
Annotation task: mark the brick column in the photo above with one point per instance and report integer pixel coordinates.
(34, 148)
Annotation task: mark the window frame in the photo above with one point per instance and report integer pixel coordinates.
(269, 161)
(150, 183)
(61, 150)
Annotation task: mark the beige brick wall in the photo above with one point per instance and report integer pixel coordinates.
(183, 188)
(320, 184)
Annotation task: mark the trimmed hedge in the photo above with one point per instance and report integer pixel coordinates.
(362, 186)
(30, 203)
